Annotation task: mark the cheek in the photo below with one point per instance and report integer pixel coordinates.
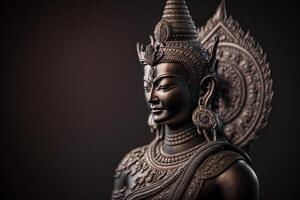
(176, 99)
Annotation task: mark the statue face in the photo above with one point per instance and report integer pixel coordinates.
(168, 93)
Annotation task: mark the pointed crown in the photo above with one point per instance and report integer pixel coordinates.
(176, 23)
(176, 40)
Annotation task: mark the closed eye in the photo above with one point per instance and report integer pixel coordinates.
(169, 86)
(147, 86)
(164, 87)
(147, 89)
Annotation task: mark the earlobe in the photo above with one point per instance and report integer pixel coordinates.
(207, 88)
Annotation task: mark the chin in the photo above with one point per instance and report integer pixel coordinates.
(167, 120)
(170, 120)
(161, 118)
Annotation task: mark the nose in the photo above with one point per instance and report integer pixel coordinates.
(152, 99)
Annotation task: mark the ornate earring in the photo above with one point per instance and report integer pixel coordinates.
(206, 122)
(204, 118)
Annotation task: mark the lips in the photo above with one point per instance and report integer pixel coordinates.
(156, 110)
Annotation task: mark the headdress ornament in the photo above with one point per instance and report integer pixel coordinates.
(175, 40)
(243, 102)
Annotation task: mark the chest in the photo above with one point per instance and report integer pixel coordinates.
(153, 175)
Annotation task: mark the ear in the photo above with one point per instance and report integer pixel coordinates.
(207, 88)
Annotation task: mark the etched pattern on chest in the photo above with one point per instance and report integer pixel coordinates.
(143, 174)
(146, 170)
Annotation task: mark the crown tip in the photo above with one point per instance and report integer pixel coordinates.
(221, 11)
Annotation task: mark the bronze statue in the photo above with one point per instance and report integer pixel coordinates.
(209, 92)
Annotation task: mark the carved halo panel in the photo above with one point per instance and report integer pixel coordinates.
(244, 102)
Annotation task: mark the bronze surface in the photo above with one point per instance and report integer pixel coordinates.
(209, 94)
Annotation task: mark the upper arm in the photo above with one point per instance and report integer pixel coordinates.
(122, 171)
(119, 187)
(239, 182)
(120, 175)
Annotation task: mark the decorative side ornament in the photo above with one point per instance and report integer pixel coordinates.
(162, 31)
(244, 99)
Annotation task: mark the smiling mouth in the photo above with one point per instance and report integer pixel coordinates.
(156, 110)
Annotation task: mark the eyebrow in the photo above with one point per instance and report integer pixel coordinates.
(166, 75)
(147, 81)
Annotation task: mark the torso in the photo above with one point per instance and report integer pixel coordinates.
(148, 173)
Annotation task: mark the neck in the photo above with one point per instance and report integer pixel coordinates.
(181, 138)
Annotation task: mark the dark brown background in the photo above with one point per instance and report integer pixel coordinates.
(72, 95)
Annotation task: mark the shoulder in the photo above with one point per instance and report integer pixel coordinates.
(130, 158)
(218, 163)
(212, 172)
(123, 169)
(227, 174)
(239, 181)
